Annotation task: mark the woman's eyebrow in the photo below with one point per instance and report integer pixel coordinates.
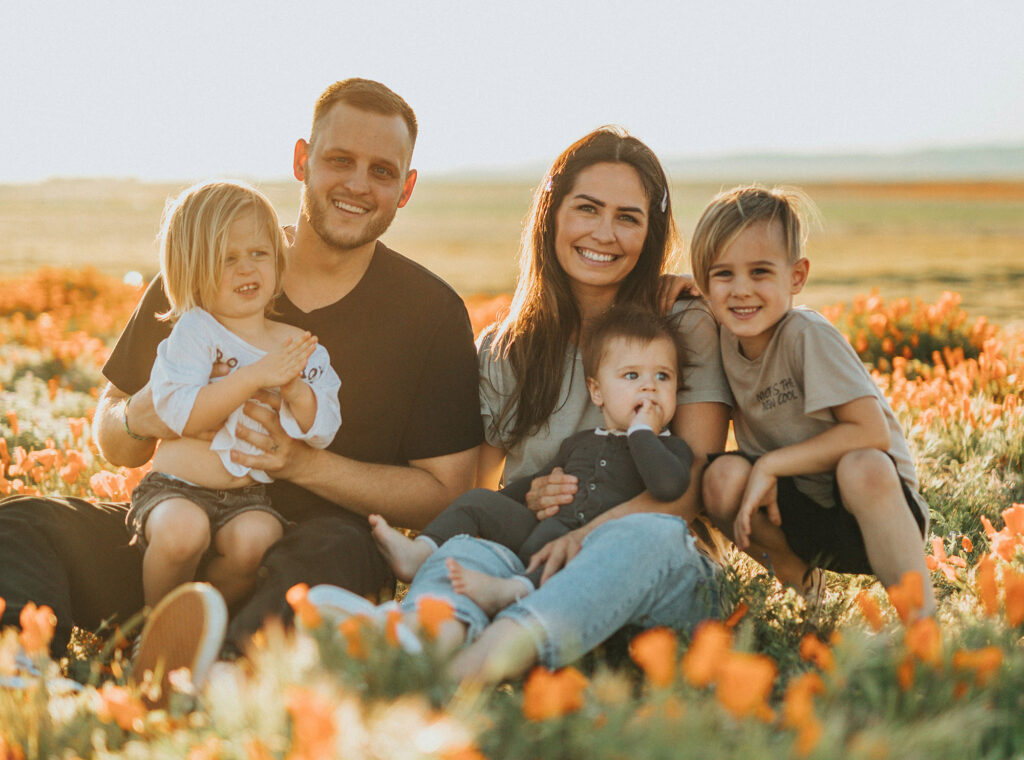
(602, 204)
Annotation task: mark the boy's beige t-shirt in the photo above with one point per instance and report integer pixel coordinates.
(786, 395)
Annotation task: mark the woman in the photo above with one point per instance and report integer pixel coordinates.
(600, 231)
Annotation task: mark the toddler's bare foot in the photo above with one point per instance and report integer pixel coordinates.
(404, 554)
(490, 594)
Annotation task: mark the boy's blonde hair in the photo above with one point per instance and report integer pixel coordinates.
(732, 211)
(194, 241)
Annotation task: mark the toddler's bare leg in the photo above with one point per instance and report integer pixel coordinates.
(873, 494)
(241, 544)
(724, 482)
(491, 594)
(405, 555)
(177, 535)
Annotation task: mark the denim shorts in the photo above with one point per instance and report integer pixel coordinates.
(219, 505)
(825, 537)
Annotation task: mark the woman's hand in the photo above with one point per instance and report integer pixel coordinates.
(671, 286)
(556, 554)
(282, 455)
(549, 492)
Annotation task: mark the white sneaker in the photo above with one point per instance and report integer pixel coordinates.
(185, 630)
(336, 604)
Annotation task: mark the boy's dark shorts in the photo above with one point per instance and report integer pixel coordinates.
(824, 537)
(219, 506)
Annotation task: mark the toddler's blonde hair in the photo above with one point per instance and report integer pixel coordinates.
(194, 240)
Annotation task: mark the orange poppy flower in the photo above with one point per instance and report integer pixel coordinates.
(905, 673)
(314, 733)
(737, 614)
(3, 606)
(711, 641)
(12, 421)
(924, 641)
(870, 610)
(352, 629)
(798, 711)
(1013, 585)
(5, 456)
(552, 694)
(305, 611)
(1014, 518)
(985, 584)
(907, 596)
(391, 626)
(119, 704)
(432, 612)
(813, 650)
(77, 426)
(743, 684)
(967, 544)
(257, 750)
(655, 652)
(985, 662)
(37, 624)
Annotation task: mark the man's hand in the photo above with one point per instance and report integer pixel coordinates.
(761, 491)
(549, 492)
(556, 554)
(281, 453)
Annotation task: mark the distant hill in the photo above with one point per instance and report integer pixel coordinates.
(975, 162)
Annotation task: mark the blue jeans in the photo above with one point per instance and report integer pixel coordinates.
(639, 570)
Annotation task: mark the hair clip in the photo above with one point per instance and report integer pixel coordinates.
(664, 199)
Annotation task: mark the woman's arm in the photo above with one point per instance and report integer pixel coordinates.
(489, 466)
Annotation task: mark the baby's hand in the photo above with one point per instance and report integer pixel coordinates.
(649, 413)
(285, 363)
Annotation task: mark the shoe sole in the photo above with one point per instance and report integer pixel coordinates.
(185, 630)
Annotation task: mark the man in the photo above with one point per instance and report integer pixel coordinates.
(398, 337)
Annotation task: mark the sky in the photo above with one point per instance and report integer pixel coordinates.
(201, 88)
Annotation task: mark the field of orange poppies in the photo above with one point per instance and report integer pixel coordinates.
(850, 678)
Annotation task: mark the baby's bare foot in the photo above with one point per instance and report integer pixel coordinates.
(490, 594)
(404, 554)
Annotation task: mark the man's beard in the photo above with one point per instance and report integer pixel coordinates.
(317, 214)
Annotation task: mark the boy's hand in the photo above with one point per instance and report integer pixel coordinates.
(761, 491)
(285, 363)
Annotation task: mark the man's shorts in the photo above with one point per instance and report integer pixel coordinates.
(825, 537)
(220, 506)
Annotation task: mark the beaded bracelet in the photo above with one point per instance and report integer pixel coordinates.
(128, 430)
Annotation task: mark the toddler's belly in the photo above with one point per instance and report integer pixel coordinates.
(191, 459)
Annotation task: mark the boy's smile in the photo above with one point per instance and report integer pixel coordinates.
(751, 285)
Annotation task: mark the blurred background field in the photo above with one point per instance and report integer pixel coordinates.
(906, 238)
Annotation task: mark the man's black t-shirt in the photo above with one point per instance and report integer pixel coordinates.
(402, 345)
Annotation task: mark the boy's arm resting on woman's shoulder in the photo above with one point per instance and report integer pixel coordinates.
(410, 496)
(704, 426)
(665, 471)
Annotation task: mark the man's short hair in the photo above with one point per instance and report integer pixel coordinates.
(631, 322)
(366, 95)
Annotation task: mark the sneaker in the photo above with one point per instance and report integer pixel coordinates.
(185, 630)
(336, 604)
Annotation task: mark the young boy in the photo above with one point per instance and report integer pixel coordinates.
(632, 365)
(823, 477)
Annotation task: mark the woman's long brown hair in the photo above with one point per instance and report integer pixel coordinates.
(544, 317)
